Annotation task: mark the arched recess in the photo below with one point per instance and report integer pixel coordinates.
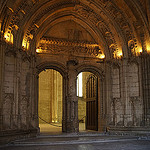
(30, 20)
(96, 34)
(48, 18)
(62, 70)
(102, 105)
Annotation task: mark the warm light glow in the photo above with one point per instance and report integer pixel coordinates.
(25, 44)
(16, 27)
(119, 54)
(8, 36)
(11, 9)
(101, 56)
(140, 50)
(23, 11)
(79, 85)
(148, 48)
(38, 50)
(36, 25)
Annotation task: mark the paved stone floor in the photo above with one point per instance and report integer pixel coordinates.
(57, 129)
(52, 138)
(82, 141)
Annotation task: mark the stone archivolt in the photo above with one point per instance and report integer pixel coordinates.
(20, 14)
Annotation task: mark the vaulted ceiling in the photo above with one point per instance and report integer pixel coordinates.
(119, 27)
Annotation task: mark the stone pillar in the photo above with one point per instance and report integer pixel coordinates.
(72, 100)
(59, 97)
(108, 93)
(17, 92)
(124, 93)
(1, 76)
(34, 94)
(145, 67)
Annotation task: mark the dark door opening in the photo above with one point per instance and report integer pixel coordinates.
(91, 104)
(87, 101)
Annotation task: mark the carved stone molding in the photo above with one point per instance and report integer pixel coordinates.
(135, 99)
(121, 20)
(107, 34)
(8, 96)
(60, 46)
(114, 100)
(73, 62)
(25, 99)
(10, 50)
(88, 13)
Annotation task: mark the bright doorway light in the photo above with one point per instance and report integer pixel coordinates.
(79, 85)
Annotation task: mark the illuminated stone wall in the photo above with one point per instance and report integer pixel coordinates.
(50, 96)
(82, 100)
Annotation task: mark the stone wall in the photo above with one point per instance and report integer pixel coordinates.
(81, 109)
(50, 96)
(145, 68)
(17, 112)
(127, 103)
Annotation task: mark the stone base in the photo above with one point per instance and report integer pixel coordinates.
(72, 127)
(10, 135)
(137, 131)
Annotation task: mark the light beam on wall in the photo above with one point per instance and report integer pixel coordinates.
(79, 85)
(148, 48)
(101, 56)
(39, 50)
(119, 54)
(8, 36)
(25, 44)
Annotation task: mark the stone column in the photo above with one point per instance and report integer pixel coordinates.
(124, 92)
(145, 67)
(72, 100)
(1, 76)
(16, 106)
(108, 93)
(34, 94)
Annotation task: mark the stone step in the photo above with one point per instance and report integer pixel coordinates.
(71, 139)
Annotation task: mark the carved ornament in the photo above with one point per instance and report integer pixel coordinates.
(88, 13)
(61, 46)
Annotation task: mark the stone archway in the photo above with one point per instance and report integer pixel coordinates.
(101, 103)
(70, 101)
(50, 101)
(62, 70)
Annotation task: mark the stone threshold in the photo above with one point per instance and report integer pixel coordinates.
(135, 131)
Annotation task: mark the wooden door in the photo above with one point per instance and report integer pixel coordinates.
(91, 104)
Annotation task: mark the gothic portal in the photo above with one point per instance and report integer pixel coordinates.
(108, 41)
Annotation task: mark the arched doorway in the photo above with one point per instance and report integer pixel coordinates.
(70, 117)
(50, 101)
(87, 92)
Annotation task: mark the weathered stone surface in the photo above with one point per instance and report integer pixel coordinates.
(107, 38)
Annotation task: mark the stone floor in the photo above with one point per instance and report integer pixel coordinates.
(56, 129)
(86, 140)
(80, 142)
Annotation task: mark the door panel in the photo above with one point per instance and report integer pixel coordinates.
(91, 104)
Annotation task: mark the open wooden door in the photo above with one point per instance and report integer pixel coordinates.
(91, 104)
